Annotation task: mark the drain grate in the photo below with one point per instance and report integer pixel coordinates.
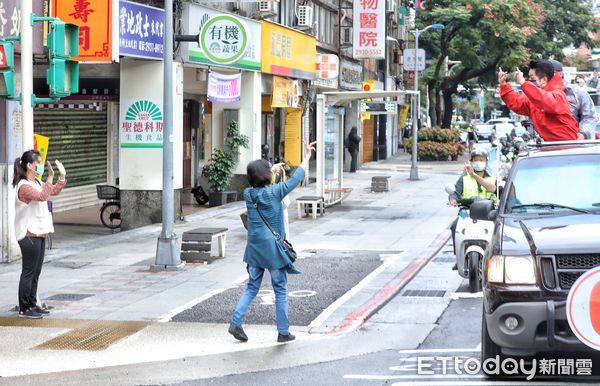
(425, 293)
(93, 336)
(69, 297)
(444, 259)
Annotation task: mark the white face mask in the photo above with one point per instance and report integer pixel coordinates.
(479, 166)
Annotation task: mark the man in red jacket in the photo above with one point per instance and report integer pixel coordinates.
(546, 104)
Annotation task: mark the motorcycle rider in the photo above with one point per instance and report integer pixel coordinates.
(475, 182)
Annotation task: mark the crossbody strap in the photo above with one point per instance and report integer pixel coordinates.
(254, 202)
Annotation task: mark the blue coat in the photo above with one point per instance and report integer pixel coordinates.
(262, 250)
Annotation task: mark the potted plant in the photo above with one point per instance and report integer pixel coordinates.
(222, 164)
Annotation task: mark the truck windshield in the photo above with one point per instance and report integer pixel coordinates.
(564, 183)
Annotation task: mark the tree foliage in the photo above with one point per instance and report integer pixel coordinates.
(484, 35)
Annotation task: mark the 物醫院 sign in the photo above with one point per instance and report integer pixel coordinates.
(10, 23)
(141, 123)
(141, 30)
(368, 29)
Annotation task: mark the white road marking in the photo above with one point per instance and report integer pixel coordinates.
(475, 383)
(319, 320)
(439, 350)
(409, 376)
(466, 295)
(167, 317)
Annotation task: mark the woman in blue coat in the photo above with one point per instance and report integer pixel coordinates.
(262, 251)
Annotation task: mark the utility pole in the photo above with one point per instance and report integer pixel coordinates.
(27, 73)
(168, 256)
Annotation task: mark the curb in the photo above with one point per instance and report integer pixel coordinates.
(357, 318)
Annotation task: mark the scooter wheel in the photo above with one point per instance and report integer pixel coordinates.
(474, 259)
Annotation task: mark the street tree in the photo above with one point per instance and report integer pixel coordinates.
(484, 35)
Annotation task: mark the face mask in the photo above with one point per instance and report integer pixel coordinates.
(534, 82)
(479, 166)
(39, 169)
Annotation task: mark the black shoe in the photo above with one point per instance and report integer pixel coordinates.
(455, 267)
(30, 313)
(238, 332)
(41, 310)
(282, 338)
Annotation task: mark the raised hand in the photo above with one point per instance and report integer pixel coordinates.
(61, 169)
(519, 78)
(502, 76)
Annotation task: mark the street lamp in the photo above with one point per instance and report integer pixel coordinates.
(414, 173)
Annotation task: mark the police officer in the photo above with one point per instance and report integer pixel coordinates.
(475, 182)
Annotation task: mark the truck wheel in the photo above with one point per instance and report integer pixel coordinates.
(474, 261)
(489, 349)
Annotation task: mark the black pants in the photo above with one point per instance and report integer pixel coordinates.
(32, 249)
(354, 160)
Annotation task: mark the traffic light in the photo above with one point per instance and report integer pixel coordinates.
(7, 73)
(63, 74)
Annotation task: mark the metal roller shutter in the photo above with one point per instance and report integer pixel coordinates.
(78, 138)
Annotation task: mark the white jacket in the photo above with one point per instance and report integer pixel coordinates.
(33, 217)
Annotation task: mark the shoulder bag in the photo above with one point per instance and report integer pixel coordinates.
(284, 244)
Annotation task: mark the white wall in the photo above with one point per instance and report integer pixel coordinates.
(141, 168)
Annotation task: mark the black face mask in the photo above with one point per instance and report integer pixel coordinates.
(534, 82)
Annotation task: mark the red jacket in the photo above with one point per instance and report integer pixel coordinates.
(548, 108)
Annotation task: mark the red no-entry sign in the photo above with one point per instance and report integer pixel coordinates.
(583, 308)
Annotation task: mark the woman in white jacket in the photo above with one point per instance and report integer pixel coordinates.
(33, 222)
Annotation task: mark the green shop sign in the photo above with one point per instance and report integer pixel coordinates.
(224, 39)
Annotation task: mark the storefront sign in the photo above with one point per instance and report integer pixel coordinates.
(10, 23)
(141, 123)
(325, 83)
(225, 40)
(293, 136)
(224, 88)
(369, 29)
(327, 66)
(141, 30)
(287, 52)
(94, 19)
(351, 75)
(285, 92)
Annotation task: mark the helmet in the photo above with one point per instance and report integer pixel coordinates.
(480, 153)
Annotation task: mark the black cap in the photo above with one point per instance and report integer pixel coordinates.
(557, 65)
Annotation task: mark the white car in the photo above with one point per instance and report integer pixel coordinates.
(484, 131)
(502, 129)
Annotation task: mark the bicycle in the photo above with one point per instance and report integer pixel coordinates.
(110, 212)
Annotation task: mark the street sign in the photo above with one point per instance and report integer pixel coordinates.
(583, 308)
(378, 108)
(409, 59)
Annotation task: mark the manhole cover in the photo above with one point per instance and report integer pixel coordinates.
(68, 297)
(424, 293)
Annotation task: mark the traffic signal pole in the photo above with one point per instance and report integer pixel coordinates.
(168, 256)
(27, 73)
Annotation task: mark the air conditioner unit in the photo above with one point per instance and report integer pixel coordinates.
(346, 37)
(267, 8)
(305, 16)
(390, 6)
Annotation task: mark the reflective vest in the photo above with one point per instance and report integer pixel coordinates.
(472, 189)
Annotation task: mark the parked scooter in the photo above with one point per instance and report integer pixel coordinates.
(471, 239)
(200, 191)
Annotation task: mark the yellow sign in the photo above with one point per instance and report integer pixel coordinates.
(287, 52)
(402, 116)
(368, 85)
(40, 143)
(285, 93)
(293, 136)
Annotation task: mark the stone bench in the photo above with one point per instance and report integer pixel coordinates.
(313, 202)
(197, 244)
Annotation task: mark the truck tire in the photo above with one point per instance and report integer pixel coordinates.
(489, 349)
(474, 261)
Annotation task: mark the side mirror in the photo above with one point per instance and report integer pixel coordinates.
(483, 210)
(449, 188)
